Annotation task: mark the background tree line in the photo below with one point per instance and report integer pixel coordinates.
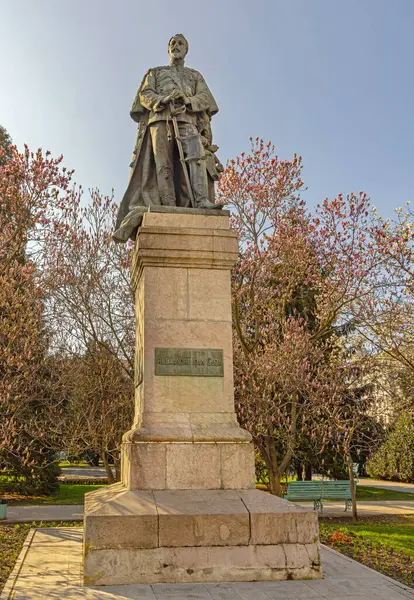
(322, 311)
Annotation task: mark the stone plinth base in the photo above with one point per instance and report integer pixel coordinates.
(172, 536)
(176, 466)
(187, 510)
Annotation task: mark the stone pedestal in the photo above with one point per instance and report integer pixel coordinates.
(186, 509)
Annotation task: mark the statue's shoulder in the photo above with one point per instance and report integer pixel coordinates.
(193, 72)
(152, 71)
(158, 69)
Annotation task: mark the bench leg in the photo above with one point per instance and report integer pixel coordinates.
(317, 504)
(348, 504)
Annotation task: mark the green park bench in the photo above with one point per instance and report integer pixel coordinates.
(305, 490)
(319, 491)
(338, 490)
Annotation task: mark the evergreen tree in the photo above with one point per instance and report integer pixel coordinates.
(5, 143)
(395, 459)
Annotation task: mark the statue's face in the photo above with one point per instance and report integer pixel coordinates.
(177, 48)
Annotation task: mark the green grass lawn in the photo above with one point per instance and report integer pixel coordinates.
(400, 537)
(67, 494)
(382, 543)
(80, 465)
(398, 534)
(370, 493)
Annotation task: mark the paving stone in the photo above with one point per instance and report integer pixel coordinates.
(222, 591)
(366, 596)
(130, 592)
(328, 588)
(178, 591)
(250, 591)
(288, 590)
(393, 592)
(353, 587)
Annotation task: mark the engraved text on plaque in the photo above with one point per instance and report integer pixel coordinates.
(192, 362)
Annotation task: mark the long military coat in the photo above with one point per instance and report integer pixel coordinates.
(159, 82)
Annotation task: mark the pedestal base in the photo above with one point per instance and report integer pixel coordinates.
(174, 536)
(188, 465)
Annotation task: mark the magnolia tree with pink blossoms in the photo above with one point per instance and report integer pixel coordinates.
(386, 317)
(90, 317)
(299, 277)
(67, 316)
(34, 190)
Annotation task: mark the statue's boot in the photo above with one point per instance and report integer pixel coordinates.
(208, 204)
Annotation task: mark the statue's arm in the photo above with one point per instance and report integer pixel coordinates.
(203, 98)
(148, 95)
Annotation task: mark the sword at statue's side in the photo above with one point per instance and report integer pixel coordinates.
(174, 110)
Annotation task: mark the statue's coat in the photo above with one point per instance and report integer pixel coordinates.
(142, 188)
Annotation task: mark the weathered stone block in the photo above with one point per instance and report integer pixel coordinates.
(298, 556)
(237, 466)
(180, 220)
(192, 564)
(166, 293)
(208, 295)
(191, 535)
(277, 521)
(144, 466)
(124, 519)
(187, 465)
(193, 466)
(202, 518)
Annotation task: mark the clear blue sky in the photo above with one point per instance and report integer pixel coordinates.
(332, 80)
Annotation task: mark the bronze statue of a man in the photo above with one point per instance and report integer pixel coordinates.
(174, 158)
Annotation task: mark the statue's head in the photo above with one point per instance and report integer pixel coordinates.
(177, 46)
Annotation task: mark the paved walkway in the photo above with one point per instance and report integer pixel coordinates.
(388, 485)
(44, 512)
(380, 483)
(74, 512)
(50, 567)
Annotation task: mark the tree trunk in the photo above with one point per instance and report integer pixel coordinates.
(308, 472)
(299, 471)
(107, 466)
(117, 465)
(274, 483)
(272, 466)
(352, 484)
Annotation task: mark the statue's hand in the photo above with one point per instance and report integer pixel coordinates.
(161, 103)
(177, 94)
(167, 99)
(180, 96)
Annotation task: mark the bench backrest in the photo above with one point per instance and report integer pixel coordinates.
(336, 489)
(304, 489)
(340, 489)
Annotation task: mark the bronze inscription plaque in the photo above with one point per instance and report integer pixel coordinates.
(192, 362)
